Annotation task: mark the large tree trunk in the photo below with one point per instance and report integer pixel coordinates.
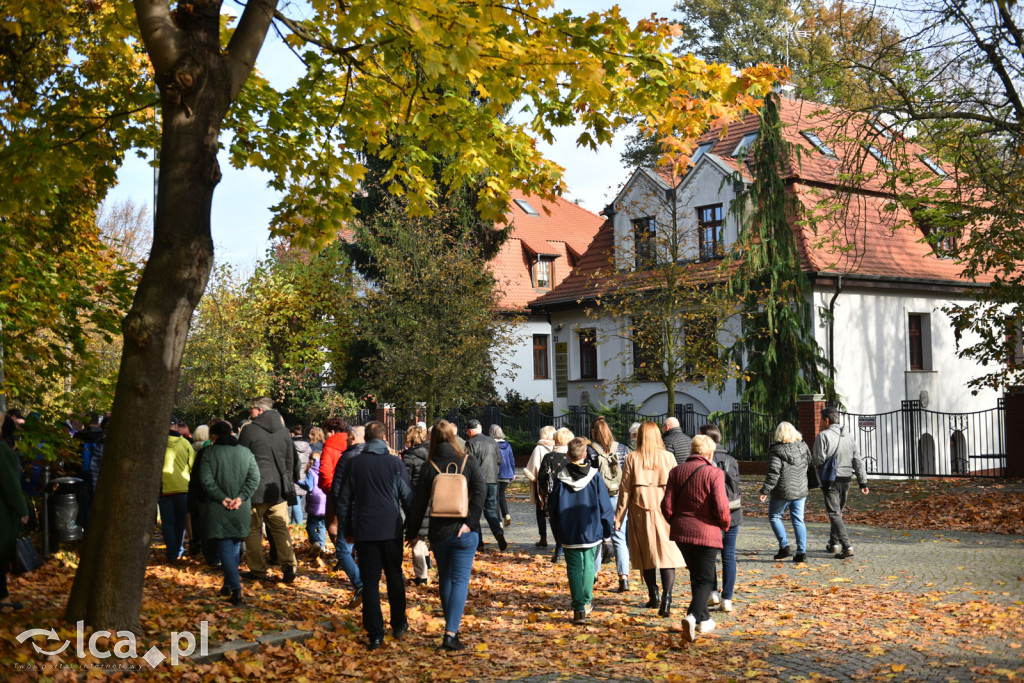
(197, 83)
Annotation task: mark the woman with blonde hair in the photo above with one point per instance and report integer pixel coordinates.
(544, 445)
(644, 478)
(696, 506)
(786, 483)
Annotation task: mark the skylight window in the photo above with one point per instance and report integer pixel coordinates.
(932, 166)
(813, 138)
(701, 151)
(881, 128)
(877, 153)
(745, 144)
(525, 206)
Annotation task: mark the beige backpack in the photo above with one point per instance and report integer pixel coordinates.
(449, 494)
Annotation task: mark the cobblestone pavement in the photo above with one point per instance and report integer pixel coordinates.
(953, 569)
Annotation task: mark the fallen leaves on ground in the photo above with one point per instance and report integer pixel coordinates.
(517, 624)
(981, 505)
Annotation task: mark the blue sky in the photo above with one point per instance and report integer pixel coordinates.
(242, 201)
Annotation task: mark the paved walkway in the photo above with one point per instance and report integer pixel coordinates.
(952, 567)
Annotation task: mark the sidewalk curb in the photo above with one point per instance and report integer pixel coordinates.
(218, 653)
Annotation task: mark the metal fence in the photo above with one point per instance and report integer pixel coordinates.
(746, 433)
(911, 441)
(915, 442)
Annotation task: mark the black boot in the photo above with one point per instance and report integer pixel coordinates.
(623, 585)
(236, 597)
(652, 598)
(666, 605)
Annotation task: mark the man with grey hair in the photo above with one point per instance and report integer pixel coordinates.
(271, 443)
(835, 442)
(676, 440)
(488, 457)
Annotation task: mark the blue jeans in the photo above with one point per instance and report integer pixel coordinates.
(296, 512)
(316, 529)
(454, 556)
(728, 563)
(230, 552)
(173, 509)
(343, 551)
(776, 508)
(620, 544)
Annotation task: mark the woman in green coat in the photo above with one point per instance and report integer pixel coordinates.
(229, 476)
(13, 512)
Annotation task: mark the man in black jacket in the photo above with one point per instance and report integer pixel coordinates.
(269, 440)
(487, 454)
(375, 492)
(676, 440)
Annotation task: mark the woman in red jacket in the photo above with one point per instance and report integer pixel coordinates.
(336, 443)
(697, 509)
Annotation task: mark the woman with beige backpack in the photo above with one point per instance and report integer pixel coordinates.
(454, 529)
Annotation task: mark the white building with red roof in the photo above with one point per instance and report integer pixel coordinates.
(878, 287)
(548, 238)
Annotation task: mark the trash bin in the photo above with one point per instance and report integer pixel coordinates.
(64, 507)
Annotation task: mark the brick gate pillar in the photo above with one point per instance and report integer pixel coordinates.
(809, 407)
(1013, 426)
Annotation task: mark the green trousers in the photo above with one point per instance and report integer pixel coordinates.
(579, 566)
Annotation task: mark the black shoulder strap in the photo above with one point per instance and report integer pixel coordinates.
(683, 487)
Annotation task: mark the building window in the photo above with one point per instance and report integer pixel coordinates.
(643, 242)
(745, 144)
(877, 153)
(1014, 344)
(588, 354)
(540, 356)
(932, 166)
(701, 346)
(813, 138)
(709, 231)
(701, 151)
(647, 340)
(526, 207)
(542, 273)
(916, 331)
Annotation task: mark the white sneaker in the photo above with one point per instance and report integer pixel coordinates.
(714, 599)
(707, 626)
(726, 605)
(689, 629)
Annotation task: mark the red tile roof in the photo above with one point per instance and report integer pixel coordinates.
(561, 229)
(870, 235)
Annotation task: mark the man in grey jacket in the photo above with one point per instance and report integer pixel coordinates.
(836, 441)
(488, 455)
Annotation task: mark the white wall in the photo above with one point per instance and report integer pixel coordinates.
(614, 359)
(872, 352)
(521, 355)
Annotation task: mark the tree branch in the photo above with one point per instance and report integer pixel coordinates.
(248, 39)
(163, 39)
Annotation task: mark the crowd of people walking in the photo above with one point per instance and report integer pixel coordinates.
(661, 502)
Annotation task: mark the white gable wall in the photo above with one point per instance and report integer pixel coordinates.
(872, 355)
(514, 364)
(644, 196)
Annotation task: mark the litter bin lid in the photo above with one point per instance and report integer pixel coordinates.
(66, 480)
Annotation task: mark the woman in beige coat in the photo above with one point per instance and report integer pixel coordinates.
(644, 478)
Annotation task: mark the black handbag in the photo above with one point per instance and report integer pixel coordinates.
(26, 557)
(812, 477)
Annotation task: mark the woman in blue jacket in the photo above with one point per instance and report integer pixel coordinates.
(506, 473)
(581, 516)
